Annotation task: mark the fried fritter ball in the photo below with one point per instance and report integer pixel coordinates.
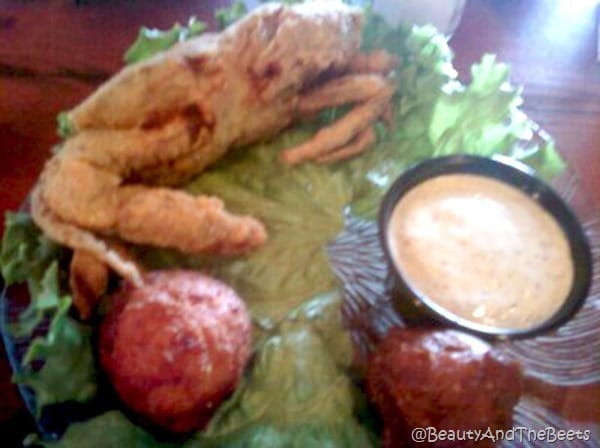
(441, 379)
(175, 347)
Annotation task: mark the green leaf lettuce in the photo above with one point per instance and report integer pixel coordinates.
(151, 41)
(227, 16)
(68, 371)
(27, 256)
(298, 393)
(436, 115)
(109, 430)
(25, 253)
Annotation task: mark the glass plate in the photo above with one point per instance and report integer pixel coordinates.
(567, 357)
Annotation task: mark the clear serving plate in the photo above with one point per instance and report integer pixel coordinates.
(567, 357)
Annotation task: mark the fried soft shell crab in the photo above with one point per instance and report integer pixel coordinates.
(158, 123)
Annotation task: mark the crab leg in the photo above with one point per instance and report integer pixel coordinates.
(77, 238)
(88, 279)
(378, 61)
(85, 191)
(168, 218)
(344, 90)
(343, 131)
(360, 144)
(143, 214)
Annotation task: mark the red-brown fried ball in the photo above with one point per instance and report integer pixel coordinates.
(175, 347)
(442, 379)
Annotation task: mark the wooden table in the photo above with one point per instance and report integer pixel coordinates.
(53, 54)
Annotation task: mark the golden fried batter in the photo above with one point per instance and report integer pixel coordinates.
(162, 121)
(88, 278)
(168, 218)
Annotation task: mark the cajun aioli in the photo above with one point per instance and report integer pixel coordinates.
(482, 250)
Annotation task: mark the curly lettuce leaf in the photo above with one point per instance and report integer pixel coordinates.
(151, 41)
(68, 371)
(484, 118)
(477, 118)
(298, 393)
(109, 430)
(542, 156)
(25, 252)
(27, 256)
(44, 299)
(436, 115)
(65, 128)
(227, 16)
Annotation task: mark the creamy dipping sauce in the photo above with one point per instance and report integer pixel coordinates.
(482, 250)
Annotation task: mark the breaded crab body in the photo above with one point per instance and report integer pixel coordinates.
(159, 122)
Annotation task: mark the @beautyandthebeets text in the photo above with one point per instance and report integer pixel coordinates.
(519, 434)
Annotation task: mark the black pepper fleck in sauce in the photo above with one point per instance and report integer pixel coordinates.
(481, 249)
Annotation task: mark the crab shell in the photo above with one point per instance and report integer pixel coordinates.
(159, 122)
